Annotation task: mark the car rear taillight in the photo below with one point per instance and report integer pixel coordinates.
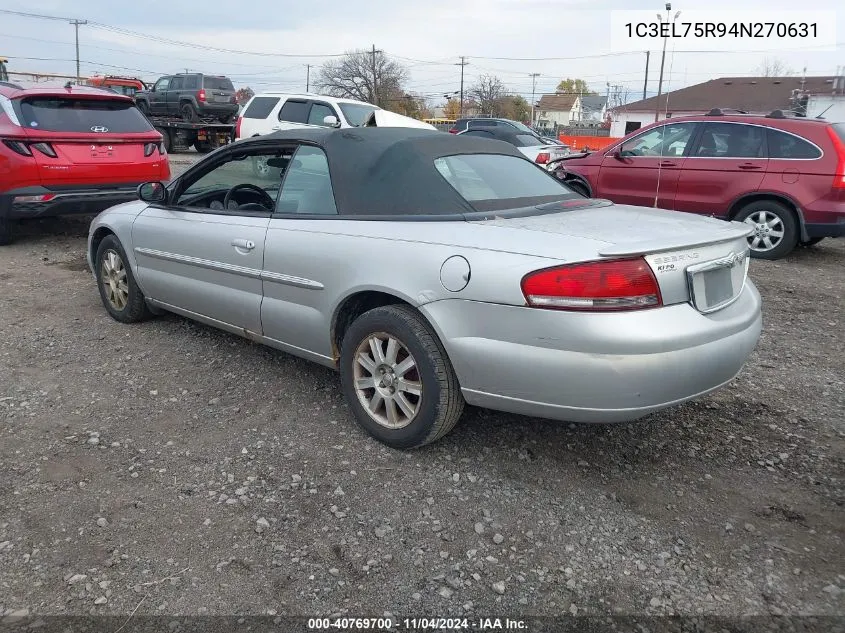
(453, 130)
(45, 148)
(201, 95)
(17, 147)
(238, 127)
(46, 197)
(620, 284)
(839, 146)
(542, 158)
(149, 148)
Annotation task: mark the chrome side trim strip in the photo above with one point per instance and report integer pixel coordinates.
(290, 280)
(253, 273)
(200, 263)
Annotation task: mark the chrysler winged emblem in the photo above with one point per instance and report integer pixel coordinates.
(99, 128)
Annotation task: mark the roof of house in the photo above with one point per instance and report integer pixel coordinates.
(752, 94)
(557, 103)
(593, 102)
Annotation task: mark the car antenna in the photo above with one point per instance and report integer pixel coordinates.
(821, 116)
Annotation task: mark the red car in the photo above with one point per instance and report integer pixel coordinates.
(72, 150)
(783, 175)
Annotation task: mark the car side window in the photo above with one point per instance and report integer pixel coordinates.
(295, 111)
(783, 145)
(664, 140)
(320, 111)
(729, 140)
(307, 187)
(191, 83)
(260, 173)
(177, 83)
(162, 84)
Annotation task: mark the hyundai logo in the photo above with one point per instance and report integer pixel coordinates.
(99, 128)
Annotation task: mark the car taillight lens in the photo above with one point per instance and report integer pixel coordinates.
(839, 176)
(621, 284)
(17, 147)
(45, 148)
(201, 95)
(542, 158)
(238, 127)
(162, 148)
(149, 148)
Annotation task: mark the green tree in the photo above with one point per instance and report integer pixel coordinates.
(514, 107)
(574, 86)
(244, 94)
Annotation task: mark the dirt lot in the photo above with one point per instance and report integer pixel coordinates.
(173, 469)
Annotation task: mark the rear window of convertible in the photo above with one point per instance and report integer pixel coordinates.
(496, 177)
(59, 114)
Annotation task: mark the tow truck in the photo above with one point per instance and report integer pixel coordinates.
(178, 135)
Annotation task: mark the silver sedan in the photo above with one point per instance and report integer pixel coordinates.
(433, 270)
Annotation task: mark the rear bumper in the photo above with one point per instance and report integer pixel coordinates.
(25, 203)
(579, 367)
(825, 217)
(218, 109)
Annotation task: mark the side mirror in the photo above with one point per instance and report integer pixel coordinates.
(152, 192)
(331, 121)
(617, 154)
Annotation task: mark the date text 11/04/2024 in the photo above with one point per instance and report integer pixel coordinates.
(722, 29)
(416, 624)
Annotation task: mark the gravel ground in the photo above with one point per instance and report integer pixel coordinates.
(174, 469)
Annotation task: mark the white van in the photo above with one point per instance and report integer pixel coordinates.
(273, 111)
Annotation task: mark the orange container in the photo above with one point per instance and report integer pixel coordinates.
(579, 143)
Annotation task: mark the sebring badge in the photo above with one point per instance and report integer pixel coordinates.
(99, 128)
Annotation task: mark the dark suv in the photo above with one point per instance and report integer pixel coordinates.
(782, 175)
(191, 96)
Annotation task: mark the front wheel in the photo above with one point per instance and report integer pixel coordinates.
(775, 228)
(119, 291)
(397, 378)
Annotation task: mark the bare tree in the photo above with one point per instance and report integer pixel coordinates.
(364, 75)
(773, 67)
(487, 93)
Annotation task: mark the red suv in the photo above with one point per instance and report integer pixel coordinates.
(784, 176)
(72, 150)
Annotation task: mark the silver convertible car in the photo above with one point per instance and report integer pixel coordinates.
(433, 270)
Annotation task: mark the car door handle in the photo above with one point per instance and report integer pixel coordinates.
(668, 163)
(749, 166)
(246, 245)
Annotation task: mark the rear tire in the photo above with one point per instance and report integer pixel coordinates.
(119, 291)
(397, 352)
(165, 138)
(203, 147)
(775, 228)
(226, 118)
(188, 112)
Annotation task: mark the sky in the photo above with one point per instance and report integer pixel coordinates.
(271, 42)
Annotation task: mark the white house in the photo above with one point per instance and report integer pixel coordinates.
(555, 110)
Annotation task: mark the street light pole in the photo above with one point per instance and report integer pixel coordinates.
(663, 56)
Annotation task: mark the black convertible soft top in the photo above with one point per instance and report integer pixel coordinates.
(390, 171)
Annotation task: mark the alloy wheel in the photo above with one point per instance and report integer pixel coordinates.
(768, 230)
(387, 380)
(114, 280)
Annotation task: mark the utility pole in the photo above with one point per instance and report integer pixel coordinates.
(375, 77)
(76, 24)
(462, 63)
(663, 57)
(307, 77)
(533, 91)
(645, 83)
